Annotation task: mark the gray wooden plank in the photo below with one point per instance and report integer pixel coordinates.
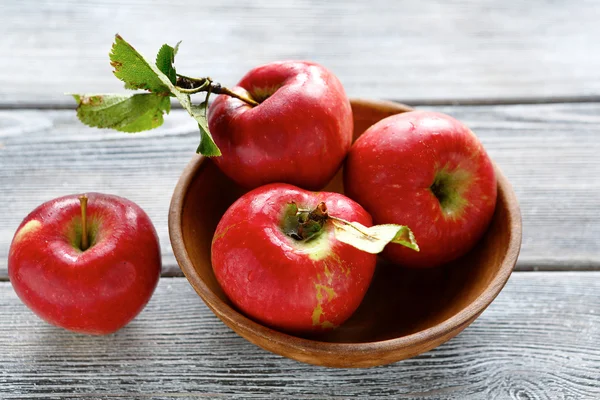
(458, 49)
(549, 153)
(538, 340)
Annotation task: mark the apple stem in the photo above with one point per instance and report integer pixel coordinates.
(310, 222)
(197, 85)
(84, 235)
(223, 90)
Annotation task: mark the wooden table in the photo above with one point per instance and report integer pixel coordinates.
(525, 76)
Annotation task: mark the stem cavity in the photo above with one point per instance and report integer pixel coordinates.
(304, 225)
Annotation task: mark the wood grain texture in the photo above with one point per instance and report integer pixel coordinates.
(457, 50)
(548, 152)
(538, 340)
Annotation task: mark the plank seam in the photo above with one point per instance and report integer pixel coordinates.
(416, 102)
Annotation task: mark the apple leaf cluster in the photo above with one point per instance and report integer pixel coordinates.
(143, 111)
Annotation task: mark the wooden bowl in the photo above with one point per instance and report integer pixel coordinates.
(405, 312)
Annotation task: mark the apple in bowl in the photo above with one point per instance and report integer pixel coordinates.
(296, 260)
(270, 268)
(299, 133)
(430, 172)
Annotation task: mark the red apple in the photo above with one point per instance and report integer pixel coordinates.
(283, 266)
(299, 133)
(428, 171)
(93, 288)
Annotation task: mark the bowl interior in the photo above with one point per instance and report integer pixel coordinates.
(400, 301)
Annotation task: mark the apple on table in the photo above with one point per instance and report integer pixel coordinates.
(86, 263)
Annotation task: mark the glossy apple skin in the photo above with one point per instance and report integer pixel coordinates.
(278, 281)
(299, 135)
(390, 171)
(96, 291)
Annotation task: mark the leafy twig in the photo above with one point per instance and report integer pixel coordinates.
(144, 111)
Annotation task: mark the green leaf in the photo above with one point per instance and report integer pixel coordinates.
(134, 70)
(125, 113)
(207, 146)
(137, 73)
(373, 239)
(165, 59)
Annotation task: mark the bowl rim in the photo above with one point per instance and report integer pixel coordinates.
(278, 339)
